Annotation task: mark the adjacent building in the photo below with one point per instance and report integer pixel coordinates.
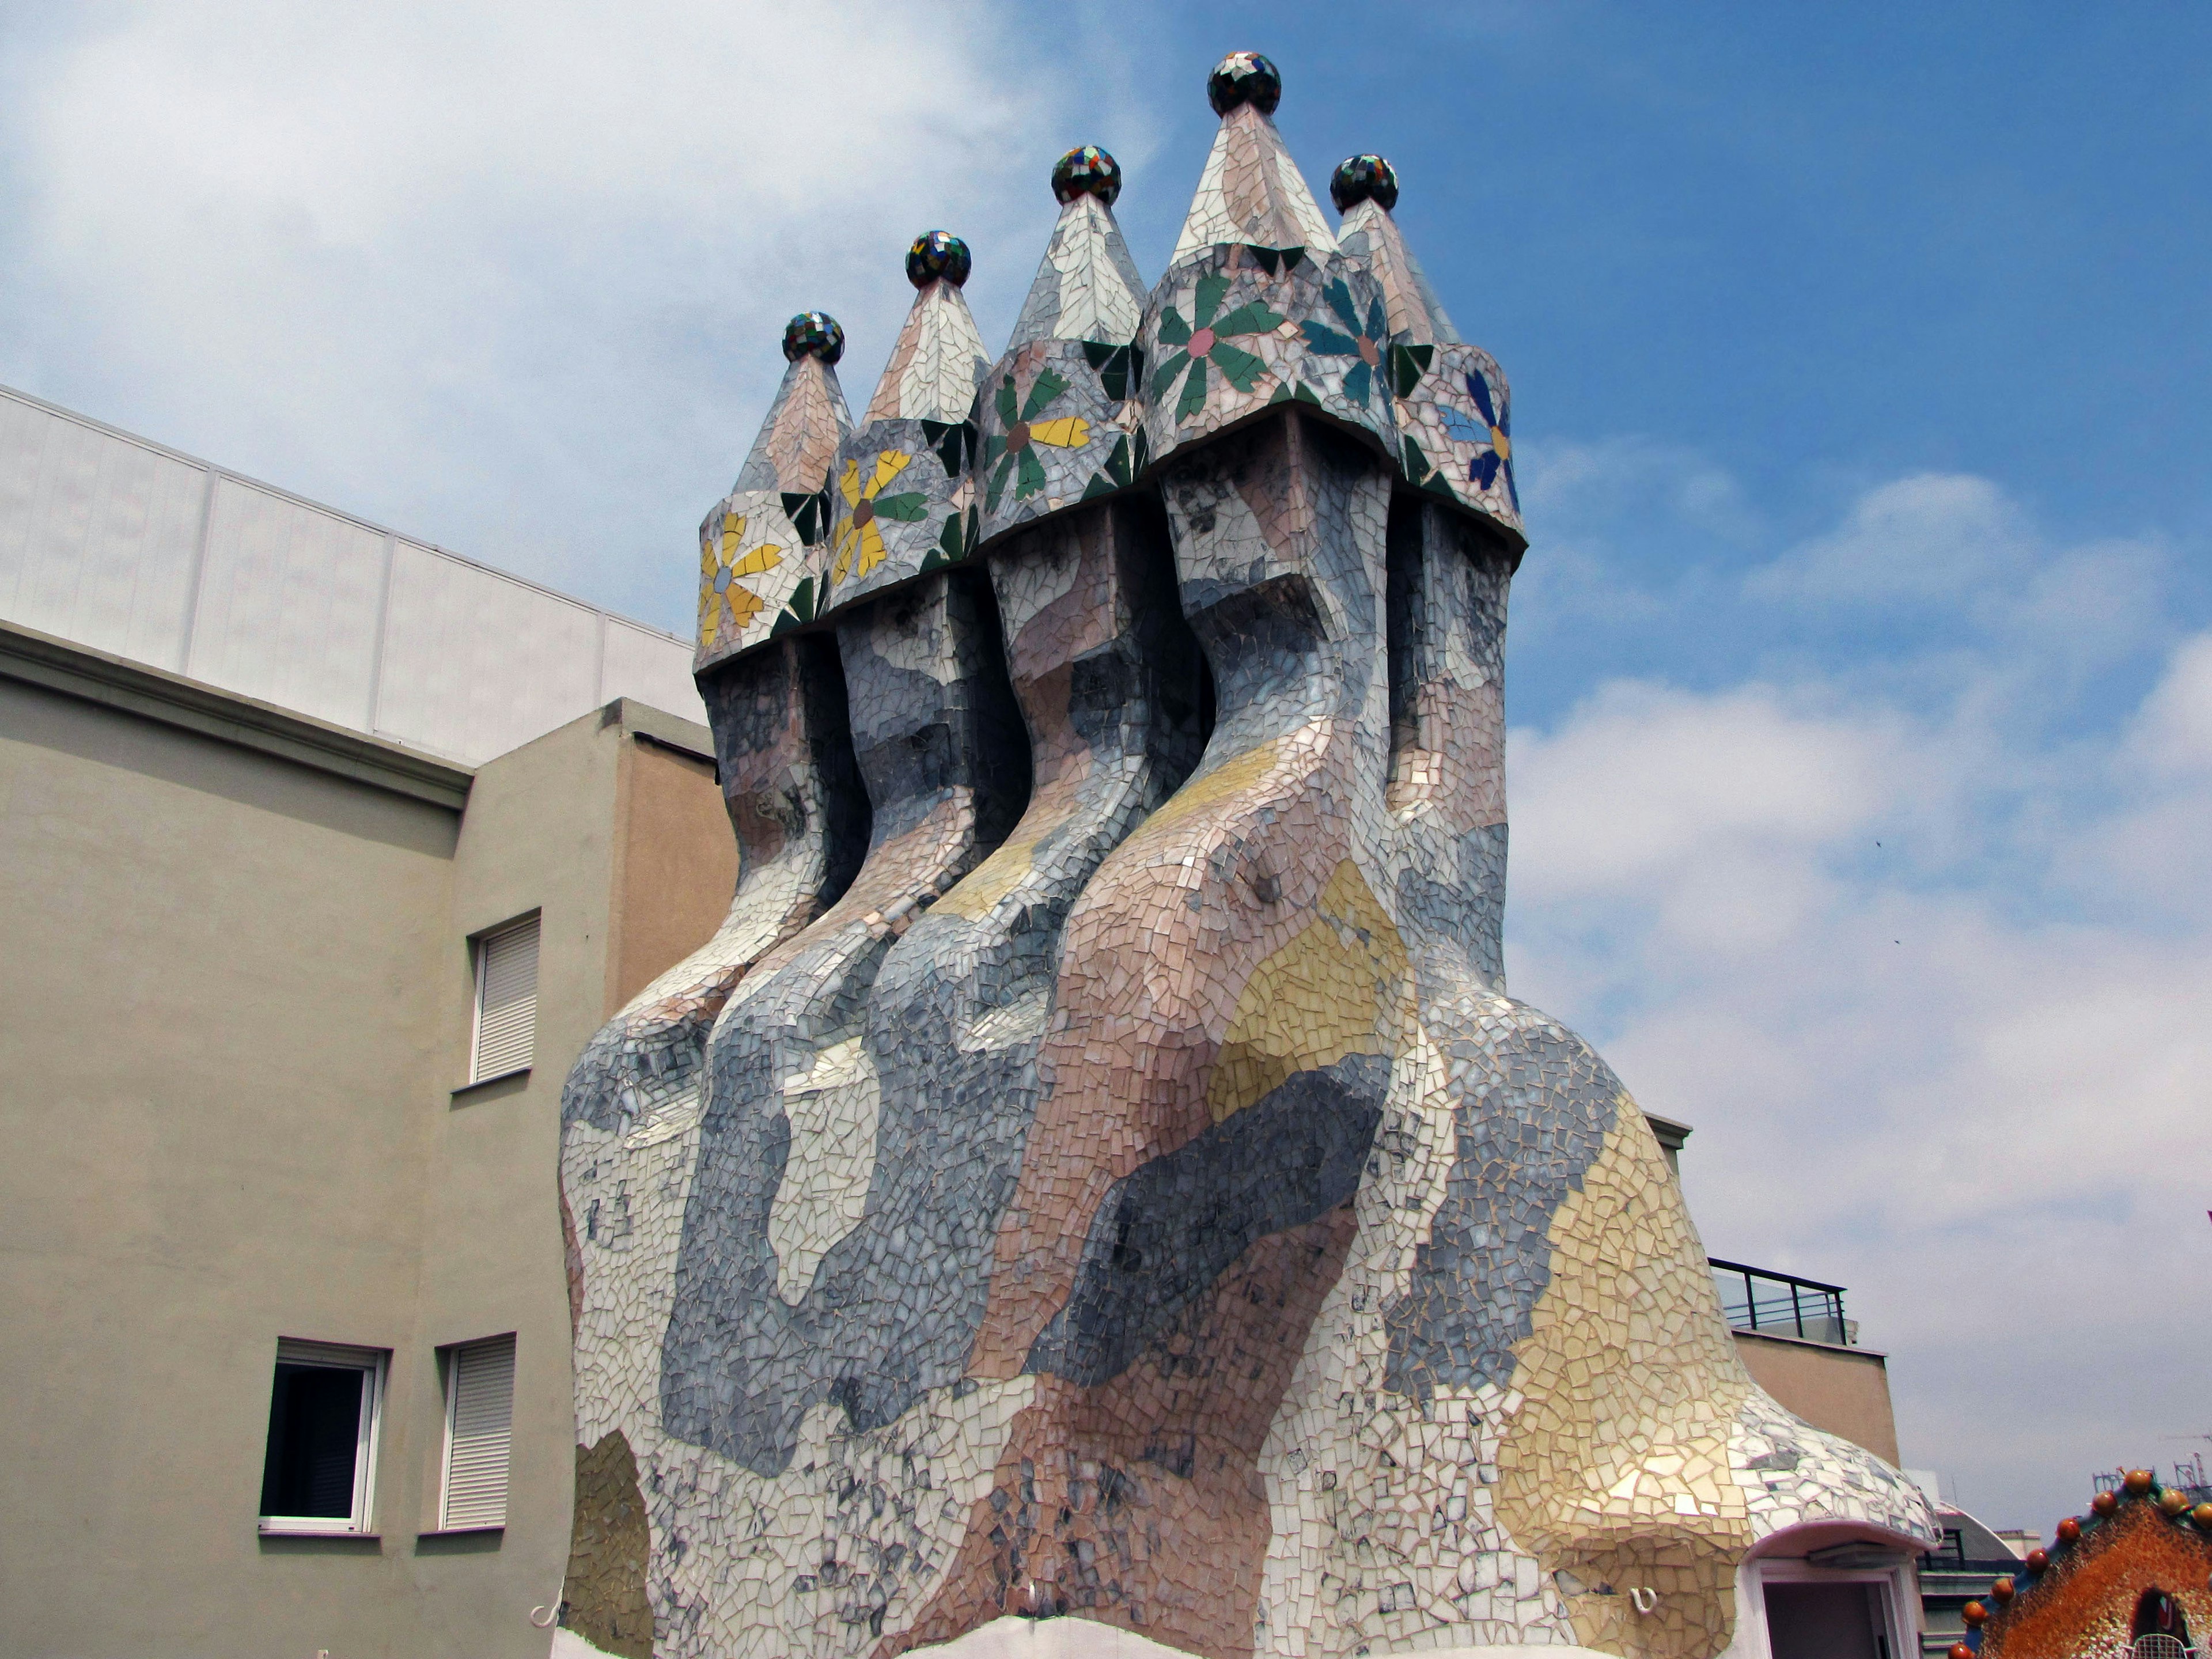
(321, 860)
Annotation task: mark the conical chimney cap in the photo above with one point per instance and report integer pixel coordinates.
(798, 442)
(1364, 189)
(1251, 191)
(1087, 288)
(938, 360)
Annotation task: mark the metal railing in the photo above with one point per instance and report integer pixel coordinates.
(1782, 1304)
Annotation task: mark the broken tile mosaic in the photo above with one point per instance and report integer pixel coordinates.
(1096, 1168)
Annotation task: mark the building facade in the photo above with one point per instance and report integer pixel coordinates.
(260, 1148)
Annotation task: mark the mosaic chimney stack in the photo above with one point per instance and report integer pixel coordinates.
(1098, 1175)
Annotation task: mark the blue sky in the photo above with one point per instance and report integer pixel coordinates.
(1861, 669)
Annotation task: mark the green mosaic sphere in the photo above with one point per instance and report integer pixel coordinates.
(1086, 170)
(813, 333)
(1244, 78)
(1362, 178)
(937, 254)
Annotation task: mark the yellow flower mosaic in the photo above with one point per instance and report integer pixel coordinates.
(722, 600)
(859, 531)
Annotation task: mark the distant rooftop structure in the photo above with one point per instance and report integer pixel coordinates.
(112, 541)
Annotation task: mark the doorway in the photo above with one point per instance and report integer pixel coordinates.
(1827, 1621)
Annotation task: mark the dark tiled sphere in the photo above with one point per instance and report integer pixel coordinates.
(1362, 178)
(814, 332)
(1244, 78)
(936, 253)
(1086, 169)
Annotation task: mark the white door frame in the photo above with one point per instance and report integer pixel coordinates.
(1901, 1601)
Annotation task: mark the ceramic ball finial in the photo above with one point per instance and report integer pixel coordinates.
(813, 333)
(1244, 78)
(1363, 179)
(1086, 170)
(937, 254)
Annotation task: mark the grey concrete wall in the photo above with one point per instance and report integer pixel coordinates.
(234, 1003)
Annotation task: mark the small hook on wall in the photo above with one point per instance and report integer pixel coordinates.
(1644, 1598)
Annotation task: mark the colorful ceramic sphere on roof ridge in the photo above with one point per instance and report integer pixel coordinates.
(813, 333)
(2104, 1502)
(2138, 1483)
(2070, 1531)
(1244, 78)
(1086, 170)
(938, 255)
(1362, 178)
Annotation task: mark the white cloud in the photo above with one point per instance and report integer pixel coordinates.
(1917, 538)
(510, 277)
(1965, 1072)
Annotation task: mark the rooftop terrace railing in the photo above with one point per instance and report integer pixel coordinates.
(1782, 1304)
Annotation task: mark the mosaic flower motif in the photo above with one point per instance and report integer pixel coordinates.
(1205, 339)
(1015, 453)
(1495, 436)
(721, 564)
(1366, 341)
(859, 534)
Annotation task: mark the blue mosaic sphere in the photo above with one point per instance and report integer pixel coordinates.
(1086, 170)
(815, 333)
(937, 254)
(1244, 78)
(1362, 178)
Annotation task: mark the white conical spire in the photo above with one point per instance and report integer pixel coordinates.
(1364, 189)
(1410, 306)
(1251, 191)
(798, 442)
(1088, 288)
(939, 360)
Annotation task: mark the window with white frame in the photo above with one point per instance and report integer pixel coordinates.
(479, 1434)
(319, 1466)
(506, 1001)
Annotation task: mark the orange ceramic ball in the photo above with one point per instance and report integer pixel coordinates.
(2173, 1501)
(2037, 1560)
(2202, 1515)
(2104, 1503)
(1973, 1612)
(2002, 1588)
(2138, 1483)
(1960, 1650)
(2070, 1531)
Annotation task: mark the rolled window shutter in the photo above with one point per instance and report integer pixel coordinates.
(506, 1001)
(479, 1434)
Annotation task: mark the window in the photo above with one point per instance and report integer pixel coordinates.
(506, 1001)
(321, 1457)
(479, 1432)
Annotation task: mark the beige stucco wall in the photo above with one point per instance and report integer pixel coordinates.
(201, 1159)
(236, 994)
(1843, 1390)
(677, 861)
